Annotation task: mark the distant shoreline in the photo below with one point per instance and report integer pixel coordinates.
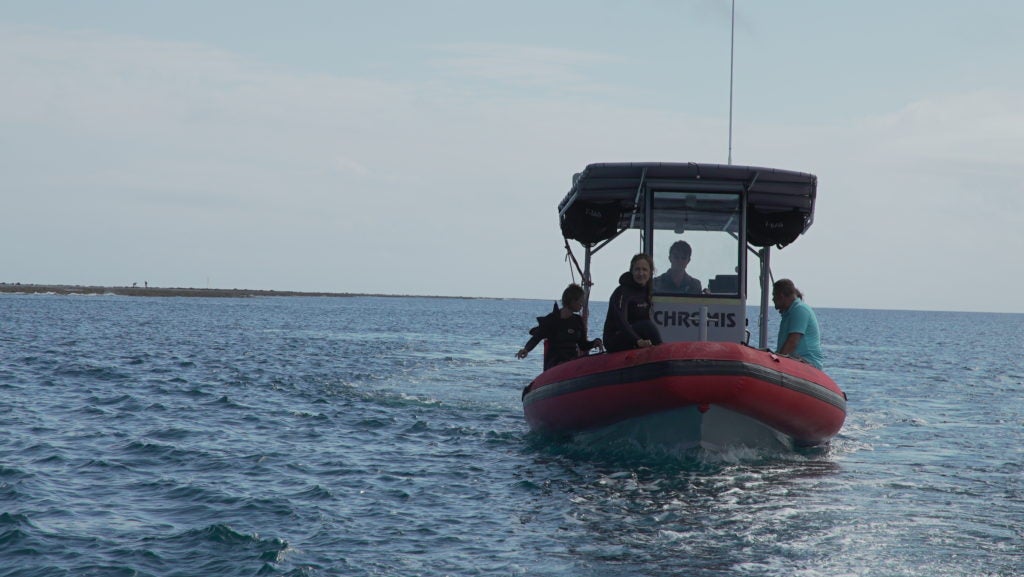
(22, 288)
(136, 291)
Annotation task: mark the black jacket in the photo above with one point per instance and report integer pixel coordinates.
(566, 337)
(628, 304)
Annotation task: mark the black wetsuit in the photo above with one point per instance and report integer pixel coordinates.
(566, 337)
(629, 317)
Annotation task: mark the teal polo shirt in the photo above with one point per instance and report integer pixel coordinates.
(800, 318)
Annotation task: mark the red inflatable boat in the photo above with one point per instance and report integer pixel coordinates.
(705, 385)
(720, 394)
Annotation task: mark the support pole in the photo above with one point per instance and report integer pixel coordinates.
(766, 272)
(586, 284)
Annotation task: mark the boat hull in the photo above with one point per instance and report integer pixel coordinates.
(697, 393)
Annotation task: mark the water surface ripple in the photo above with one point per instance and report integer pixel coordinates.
(384, 436)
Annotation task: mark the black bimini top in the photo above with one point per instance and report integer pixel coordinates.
(609, 197)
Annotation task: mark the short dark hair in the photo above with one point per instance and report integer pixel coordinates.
(785, 287)
(571, 294)
(680, 248)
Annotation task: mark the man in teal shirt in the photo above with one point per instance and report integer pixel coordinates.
(798, 330)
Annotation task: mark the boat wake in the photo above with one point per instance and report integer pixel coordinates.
(634, 446)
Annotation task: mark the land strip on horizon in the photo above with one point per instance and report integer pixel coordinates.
(147, 291)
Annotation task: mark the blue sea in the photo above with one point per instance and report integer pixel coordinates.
(385, 437)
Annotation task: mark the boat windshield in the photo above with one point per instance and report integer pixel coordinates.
(696, 243)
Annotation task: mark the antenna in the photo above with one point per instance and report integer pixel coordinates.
(732, 53)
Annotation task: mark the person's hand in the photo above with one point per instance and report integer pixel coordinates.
(522, 354)
(643, 343)
(599, 344)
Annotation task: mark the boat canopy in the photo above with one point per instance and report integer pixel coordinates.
(608, 198)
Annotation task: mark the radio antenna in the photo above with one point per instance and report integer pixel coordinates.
(732, 53)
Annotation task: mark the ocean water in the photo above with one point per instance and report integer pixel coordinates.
(385, 437)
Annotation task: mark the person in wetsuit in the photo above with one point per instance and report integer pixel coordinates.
(565, 330)
(628, 324)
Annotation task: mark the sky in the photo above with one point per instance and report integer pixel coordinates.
(422, 147)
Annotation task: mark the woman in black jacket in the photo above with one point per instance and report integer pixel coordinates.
(628, 324)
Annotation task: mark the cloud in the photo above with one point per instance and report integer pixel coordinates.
(266, 178)
(522, 66)
(917, 207)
